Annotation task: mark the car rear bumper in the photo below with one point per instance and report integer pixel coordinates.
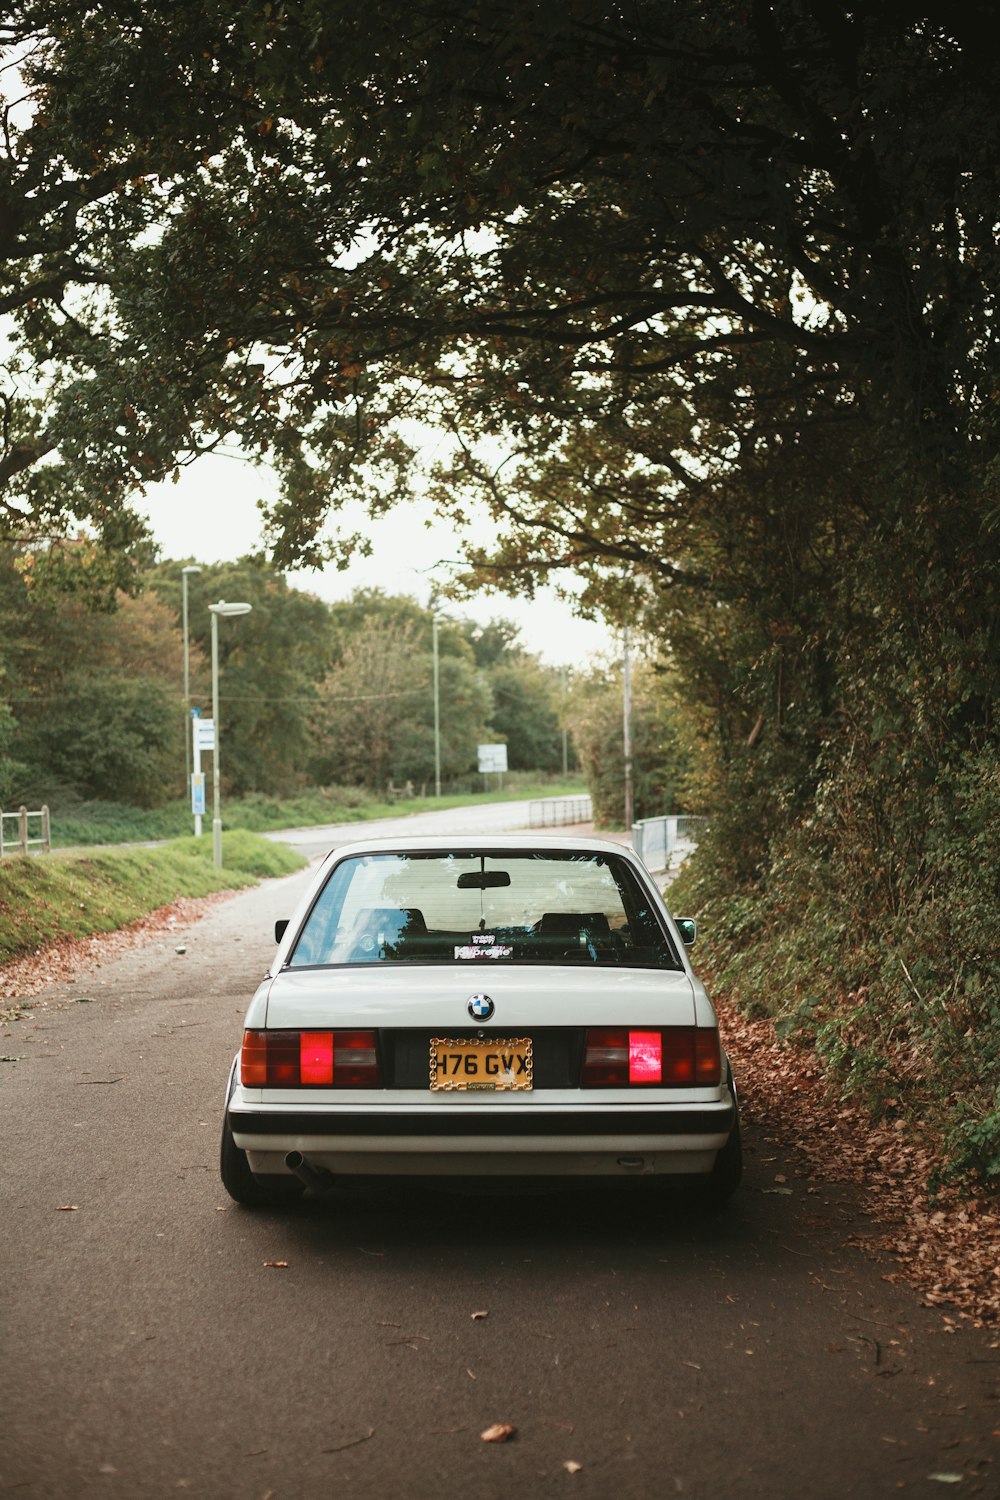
(680, 1139)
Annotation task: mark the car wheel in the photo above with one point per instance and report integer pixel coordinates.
(727, 1173)
(240, 1183)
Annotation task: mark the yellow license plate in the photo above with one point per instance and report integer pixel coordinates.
(481, 1063)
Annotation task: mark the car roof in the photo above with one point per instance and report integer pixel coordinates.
(528, 841)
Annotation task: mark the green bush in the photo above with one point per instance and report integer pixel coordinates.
(882, 951)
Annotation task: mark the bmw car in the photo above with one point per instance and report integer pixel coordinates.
(518, 1007)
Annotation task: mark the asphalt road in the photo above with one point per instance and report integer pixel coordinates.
(151, 1347)
(484, 817)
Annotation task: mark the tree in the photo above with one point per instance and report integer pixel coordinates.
(526, 713)
(512, 219)
(366, 702)
(663, 744)
(375, 717)
(109, 736)
(96, 691)
(269, 664)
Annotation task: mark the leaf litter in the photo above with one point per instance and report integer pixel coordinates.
(946, 1241)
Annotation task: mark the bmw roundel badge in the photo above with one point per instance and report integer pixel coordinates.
(481, 1007)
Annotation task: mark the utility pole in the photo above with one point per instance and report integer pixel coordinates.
(627, 731)
(437, 709)
(565, 731)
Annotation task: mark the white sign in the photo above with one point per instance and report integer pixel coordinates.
(492, 758)
(204, 734)
(198, 793)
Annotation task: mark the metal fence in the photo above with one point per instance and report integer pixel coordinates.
(661, 842)
(548, 812)
(23, 841)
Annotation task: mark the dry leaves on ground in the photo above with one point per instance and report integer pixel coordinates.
(61, 963)
(948, 1242)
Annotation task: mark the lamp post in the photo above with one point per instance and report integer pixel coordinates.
(627, 731)
(222, 608)
(437, 709)
(186, 573)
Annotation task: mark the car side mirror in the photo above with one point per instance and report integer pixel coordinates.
(688, 929)
(281, 927)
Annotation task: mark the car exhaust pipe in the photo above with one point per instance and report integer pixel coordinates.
(317, 1179)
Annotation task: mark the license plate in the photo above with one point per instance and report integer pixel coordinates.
(481, 1063)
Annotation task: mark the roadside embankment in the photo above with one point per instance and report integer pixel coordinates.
(65, 897)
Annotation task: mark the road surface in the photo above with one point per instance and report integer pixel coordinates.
(159, 1341)
(485, 817)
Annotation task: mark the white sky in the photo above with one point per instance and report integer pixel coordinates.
(211, 515)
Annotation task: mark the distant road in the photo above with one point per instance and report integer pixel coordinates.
(486, 817)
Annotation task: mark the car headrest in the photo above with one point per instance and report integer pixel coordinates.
(573, 923)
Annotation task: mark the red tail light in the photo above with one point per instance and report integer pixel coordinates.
(309, 1059)
(316, 1058)
(645, 1057)
(674, 1057)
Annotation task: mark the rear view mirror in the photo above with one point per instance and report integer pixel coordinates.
(476, 880)
(688, 929)
(280, 928)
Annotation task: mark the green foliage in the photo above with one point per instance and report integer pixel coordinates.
(526, 704)
(11, 771)
(882, 950)
(661, 744)
(45, 899)
(93, 685)
(269, 664)
(245, 852)
(110, 736)
(341, 695)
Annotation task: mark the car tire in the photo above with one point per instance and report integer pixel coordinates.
(247, 1189)
(727, 1174)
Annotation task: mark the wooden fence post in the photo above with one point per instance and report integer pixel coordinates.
(46, 829)
(22, 828)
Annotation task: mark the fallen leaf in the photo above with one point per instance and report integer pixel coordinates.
(67, 1208)
(571, 1466)
(352, 1443)
(947, 1478)
(278, 1264)
(500, 1432)
(476, 1315)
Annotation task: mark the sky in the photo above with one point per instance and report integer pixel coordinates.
(211, 516)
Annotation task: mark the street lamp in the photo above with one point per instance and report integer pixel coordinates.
(186, 573)
(627, 729)
(437, 709)
(222, 608)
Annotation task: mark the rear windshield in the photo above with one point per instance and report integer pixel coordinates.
(482, 908)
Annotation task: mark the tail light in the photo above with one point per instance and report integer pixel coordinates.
(310, 1059)
(673, 1057)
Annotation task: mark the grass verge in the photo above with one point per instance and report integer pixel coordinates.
(48, 898)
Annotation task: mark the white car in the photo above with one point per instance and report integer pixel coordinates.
(516, 1006)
